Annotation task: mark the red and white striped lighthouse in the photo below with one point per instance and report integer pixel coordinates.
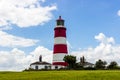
(60, 45)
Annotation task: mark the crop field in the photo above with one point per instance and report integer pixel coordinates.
(62, 75)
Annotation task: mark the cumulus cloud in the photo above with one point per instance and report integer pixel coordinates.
(106, 50)
(7, 40)
(46, 54)
(118, 13)
(24, 13)
(13, 60)
(102, 38)
(17, 60)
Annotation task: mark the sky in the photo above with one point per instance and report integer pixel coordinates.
(27, 30)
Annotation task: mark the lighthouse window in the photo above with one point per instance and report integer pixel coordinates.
(60, 23)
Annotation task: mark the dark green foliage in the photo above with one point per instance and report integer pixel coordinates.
(71, 60)
(30, 69)
(78, 67)
(100, 64)
(89, 68)
(113, 65)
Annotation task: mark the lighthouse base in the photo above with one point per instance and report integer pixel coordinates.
(59, 65)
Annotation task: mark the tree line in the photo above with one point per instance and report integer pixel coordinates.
(99, 64)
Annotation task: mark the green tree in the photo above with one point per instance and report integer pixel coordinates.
(100, 64)
(112, 65)
(71, 60)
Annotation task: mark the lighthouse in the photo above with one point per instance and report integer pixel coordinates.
(60, 45)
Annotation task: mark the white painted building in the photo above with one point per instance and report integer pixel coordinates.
(40, 65)
(44, 65)
(88, 64)
(84, 63)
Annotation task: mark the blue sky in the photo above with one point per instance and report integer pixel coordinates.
(87, 18)
(83, 18)
(27, 27)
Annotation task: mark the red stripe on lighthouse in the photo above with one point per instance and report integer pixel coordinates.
(60, 48)
(60, 32)
(60, 63)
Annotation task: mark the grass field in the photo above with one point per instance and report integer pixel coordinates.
(61, 75)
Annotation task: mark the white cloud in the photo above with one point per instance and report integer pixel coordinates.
(46, 54)
(5, 28)
(17, 60)
(102, 38)
(7, 40)
(118, 13)
(13, 60)
(106, 50)
(24, 13)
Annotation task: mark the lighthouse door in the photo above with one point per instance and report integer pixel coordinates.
(56, 67)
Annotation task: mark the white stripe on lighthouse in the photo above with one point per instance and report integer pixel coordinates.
(58, 57)
(60, 26)
(60, 40)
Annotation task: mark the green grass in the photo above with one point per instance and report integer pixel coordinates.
(61, 75)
